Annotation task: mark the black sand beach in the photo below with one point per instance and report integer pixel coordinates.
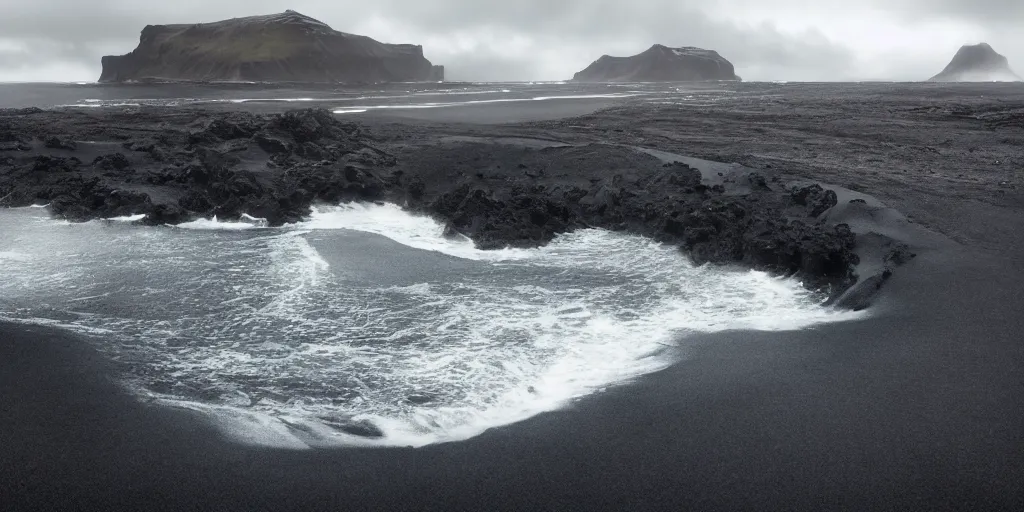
(918, 407)
(917, 410)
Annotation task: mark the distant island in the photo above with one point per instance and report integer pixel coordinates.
(286, 47)
(660, 64)
(977, 63)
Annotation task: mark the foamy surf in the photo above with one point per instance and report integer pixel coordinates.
(101, 105)
(127, 218)
(13, 256)
(280, 348)
(447, 104)
(416, 231)
(213, 224)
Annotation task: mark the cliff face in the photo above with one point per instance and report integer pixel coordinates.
(660, 64)
(287, 47)
(977, 63)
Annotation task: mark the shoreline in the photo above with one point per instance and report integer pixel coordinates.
(497, 192)
(920, 406)
(910, 408)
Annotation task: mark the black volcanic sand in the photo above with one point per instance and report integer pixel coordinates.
(918, 407)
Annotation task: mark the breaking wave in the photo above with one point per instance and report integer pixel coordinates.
(365, 325)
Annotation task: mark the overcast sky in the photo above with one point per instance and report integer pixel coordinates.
(63, 40)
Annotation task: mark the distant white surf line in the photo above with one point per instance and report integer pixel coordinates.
(458, 92)
(214, 224)
(99, 105)
(420, 94)
(562, 82)
(281, 100)
(408, 94)
(365, 108)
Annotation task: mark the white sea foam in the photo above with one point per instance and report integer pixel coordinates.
(281, 349)
(13, 256)
(417, 231)
(363, 108)
(100, 105)
(244, 223)
(272, 100)
(128, 218)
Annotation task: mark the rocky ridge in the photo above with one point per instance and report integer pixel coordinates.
(175, 167)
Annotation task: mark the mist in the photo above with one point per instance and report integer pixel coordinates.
(829, 40)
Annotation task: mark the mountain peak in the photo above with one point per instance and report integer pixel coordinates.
(283, 47)
(977, 63)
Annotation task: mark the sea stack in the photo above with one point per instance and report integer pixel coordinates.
(977, 63)
(660, 64)
(286, 47)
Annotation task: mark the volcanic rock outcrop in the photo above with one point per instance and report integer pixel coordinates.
(199, 164)
(977, 63)
(287, 47)
(660, 64)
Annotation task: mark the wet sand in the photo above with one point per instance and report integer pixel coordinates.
(920, 407)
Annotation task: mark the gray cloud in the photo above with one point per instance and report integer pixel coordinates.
(537, 39)
(990, 12)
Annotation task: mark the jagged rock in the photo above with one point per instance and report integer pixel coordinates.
(112, 162)
(816, 198)
(660, 64)
(308, 125)
(362, 428)
(200, 172)
(272, 145)
(900, 254)
(860, 296)
(59, 143)
(419, 399)
(55, 164)
(218, 165)
(286, 47)
(11, 141)
(977, 63)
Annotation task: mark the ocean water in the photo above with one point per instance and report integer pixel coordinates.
(342, 100)
(364, 326)
(411, 97)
